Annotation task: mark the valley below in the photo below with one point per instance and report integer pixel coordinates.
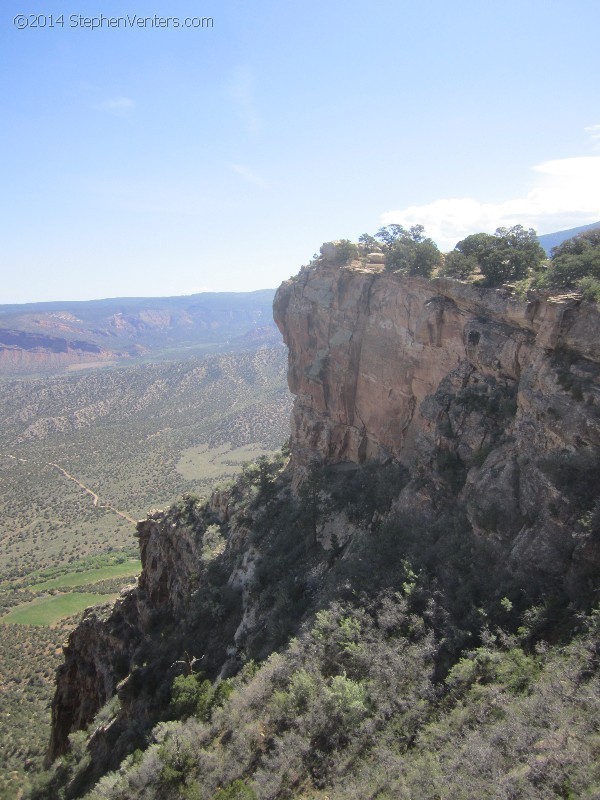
(84, 455)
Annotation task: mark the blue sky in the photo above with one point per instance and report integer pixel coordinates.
(141, 161)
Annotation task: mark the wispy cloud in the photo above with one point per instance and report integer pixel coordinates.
(119, 106)
(593, 131)
(566, 194)
(248, 175)
(241, 88)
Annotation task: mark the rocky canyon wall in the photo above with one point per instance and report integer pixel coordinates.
(494, 395)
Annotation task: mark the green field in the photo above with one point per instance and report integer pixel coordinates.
(52, 609)
(128, 568)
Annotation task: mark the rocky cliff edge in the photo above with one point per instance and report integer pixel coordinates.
(489, 401)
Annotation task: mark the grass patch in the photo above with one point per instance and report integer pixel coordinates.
(50, 610)
(217, 463)
(70, 579)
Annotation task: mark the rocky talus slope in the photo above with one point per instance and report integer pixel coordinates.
(489, 403)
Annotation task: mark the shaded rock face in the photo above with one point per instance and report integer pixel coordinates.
(97, 657)
(99, 652)
(476, 390)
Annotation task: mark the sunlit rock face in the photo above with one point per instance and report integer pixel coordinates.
(444, 376)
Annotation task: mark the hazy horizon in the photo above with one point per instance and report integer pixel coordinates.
(218, 158)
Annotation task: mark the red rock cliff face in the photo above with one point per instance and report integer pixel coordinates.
(448, 377)
(367, 348)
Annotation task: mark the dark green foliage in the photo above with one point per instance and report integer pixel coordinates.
(575, 264)
(191, 694)
(363, 490)
(368, 243)
(194, 695)
(409, 251)
(259, 477)
(350, 710)
(475, 245)
(379, 667)
(459, 265)
(452, 469)
(187, 511)
(311, 499)
(236, 791)
(509, 255)
(589, 287)
(513, 669)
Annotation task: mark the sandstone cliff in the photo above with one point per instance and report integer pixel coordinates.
(498, 394)
(488, 404)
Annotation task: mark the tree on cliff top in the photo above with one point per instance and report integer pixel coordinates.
(338, 253)
(409, 251)
(575, 264)
(509, 254)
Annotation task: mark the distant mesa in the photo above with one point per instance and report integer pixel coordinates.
(10, 339)
(51, 337)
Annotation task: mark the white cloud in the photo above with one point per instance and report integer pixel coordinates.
(241, 89)
(566, 194)
(248, 174)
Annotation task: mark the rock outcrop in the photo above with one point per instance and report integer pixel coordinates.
(97, 657)
(494, 394)
(110, 649)
(366, 348)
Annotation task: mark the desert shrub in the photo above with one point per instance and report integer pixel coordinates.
(187, 511)
(195, 695)
(512, 669)
(589, 287)
(237, 790)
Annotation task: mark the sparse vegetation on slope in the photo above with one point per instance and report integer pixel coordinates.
(138, 437)
(406, 659)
